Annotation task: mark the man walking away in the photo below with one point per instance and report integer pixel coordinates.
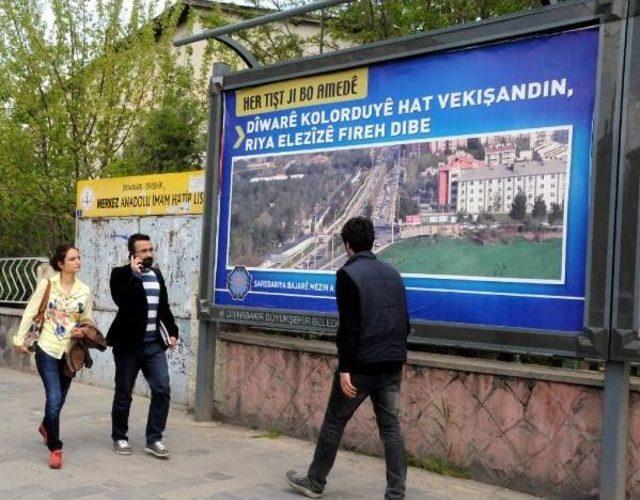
(139, 291)
(372, 347)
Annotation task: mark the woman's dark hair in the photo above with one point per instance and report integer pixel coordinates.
(359, 233)
(60, 254)
(136, 237)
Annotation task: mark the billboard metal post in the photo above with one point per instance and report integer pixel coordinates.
(615, 431)
(604, 184)
(259, 21)
(625, 332)
(625, 309)
(208, 329)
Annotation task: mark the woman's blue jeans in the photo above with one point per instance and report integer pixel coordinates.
(56, 386)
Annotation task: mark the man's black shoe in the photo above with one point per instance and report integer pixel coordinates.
(300, 482)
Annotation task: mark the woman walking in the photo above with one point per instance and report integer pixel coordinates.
(66, 302)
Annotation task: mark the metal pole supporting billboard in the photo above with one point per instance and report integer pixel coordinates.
(615, 431)
(203, 405)
(259, 21)
(624, 341)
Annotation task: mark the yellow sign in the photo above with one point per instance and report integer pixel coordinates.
(301, 92)
(161, 194)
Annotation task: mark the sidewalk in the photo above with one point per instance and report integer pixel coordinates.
(209, 460)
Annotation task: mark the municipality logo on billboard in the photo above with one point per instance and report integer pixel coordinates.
(239, 282)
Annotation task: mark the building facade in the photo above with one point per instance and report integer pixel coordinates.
(489, 189)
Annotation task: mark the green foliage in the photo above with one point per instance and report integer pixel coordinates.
(271, 433)
(557, 213)
(281, 41)
(438, 465)
(268, 216)
(407, 206)
(78, 89)
(539, 211)
(169, 139)
(371, 20)
(519, 206)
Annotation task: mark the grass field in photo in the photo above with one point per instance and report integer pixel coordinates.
(518, 258)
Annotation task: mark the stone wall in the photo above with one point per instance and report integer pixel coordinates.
(525, 427)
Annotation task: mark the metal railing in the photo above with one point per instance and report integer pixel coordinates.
(18, 279)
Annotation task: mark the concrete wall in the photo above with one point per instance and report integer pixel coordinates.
(102, 244)
(9, 321)
(10, 318)
(526, 427)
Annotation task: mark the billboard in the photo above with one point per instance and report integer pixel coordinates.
(473, 164)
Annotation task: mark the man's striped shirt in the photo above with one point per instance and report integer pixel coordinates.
(152, 290)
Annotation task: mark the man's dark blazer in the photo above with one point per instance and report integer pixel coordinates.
(130, 323)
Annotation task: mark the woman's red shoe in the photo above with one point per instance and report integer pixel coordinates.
(55, 459)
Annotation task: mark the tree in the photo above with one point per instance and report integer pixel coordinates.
(371, 20)
(74, 91)
(475, 148)
(519, 206)
(497, 202)
(169, 139)
(276, 42)
(368, 21)
(539, 211)
(557, 213)
(407, 206)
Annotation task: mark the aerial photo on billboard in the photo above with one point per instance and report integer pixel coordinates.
(488, 206)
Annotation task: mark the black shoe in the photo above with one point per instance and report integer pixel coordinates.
(157, 449)
(300, 482)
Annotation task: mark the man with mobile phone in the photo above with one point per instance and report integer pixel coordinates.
(139, 291)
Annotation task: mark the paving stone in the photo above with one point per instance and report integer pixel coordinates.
(218, 476)
(209, 460)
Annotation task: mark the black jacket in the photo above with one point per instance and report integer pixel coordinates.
(130, 323)
(373, 318)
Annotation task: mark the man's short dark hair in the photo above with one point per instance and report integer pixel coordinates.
(359, 233)
(136, 237)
